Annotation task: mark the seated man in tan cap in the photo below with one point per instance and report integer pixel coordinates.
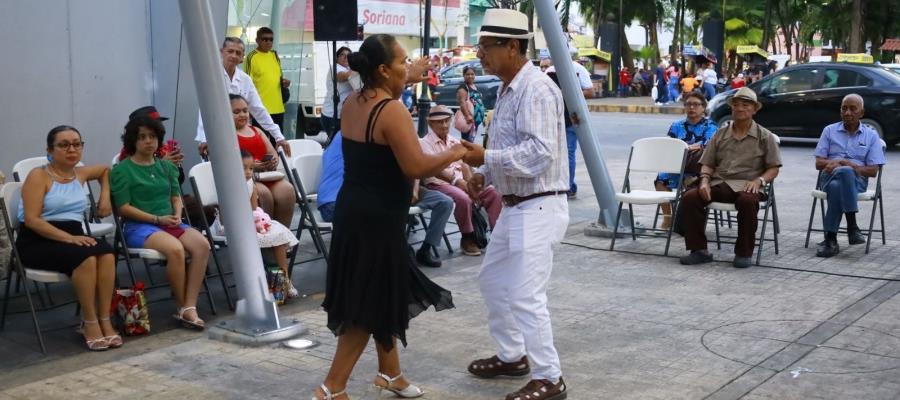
(453, 180)
(736, 165)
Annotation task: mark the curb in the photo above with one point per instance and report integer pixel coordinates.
(635, 109)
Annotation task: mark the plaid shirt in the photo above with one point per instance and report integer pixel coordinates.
(527, 146)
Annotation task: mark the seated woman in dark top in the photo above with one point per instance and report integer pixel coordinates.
(52, 237)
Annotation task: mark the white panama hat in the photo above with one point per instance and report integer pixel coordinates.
(504, 23)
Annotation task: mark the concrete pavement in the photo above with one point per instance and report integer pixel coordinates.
(629, 324)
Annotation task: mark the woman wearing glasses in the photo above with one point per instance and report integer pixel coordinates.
(695, 130)
(51, 237)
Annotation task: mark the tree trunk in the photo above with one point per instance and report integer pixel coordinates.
(654, 41)
(856, 29)
(531, 46)
(673, 49)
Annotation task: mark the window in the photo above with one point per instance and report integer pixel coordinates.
(792, 81)
(838, 78)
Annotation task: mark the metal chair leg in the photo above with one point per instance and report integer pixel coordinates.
(6, 300)
(871, 224)
(881, 211)
(612, 244)
(812, 214)
(716, 222)
(631, 217)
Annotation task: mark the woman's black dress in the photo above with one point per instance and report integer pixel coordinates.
(372, 283)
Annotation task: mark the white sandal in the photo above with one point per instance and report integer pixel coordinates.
(328, 394)
(194, 323)
(409, 392)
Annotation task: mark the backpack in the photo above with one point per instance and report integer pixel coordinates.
(480, 225)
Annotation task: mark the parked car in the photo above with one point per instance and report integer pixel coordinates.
(800, 100)
(452, 76)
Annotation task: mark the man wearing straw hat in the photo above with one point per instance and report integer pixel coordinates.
(527, 163)
(737, 164)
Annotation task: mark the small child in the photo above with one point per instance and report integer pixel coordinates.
(270, 234)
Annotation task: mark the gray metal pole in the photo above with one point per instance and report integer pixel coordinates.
(424, 102)
(275, 24)
(571, 90)
(256, 317)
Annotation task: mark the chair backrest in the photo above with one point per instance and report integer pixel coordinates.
(301, 147)
(309, 171)
(115, 160)
(11, 193)
(22, 168)
(205, 189)
(657, 154)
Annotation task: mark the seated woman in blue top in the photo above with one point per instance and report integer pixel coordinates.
(51, 237)
(695, 130)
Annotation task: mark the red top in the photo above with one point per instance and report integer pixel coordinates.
(737, 83)
(624, 77)
(255, 145)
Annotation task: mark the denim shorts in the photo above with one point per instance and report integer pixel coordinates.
(136, 233)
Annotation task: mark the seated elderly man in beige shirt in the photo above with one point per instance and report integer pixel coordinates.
(453, 180)
(736, 166)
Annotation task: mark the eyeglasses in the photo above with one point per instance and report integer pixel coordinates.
(266, 39)
(693, 104)
(67, 145)
(486, 47)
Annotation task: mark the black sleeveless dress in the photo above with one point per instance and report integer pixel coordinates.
(372, 283)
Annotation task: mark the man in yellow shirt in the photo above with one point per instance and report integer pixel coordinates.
(264, 67)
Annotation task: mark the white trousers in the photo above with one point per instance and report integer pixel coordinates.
(514, 278)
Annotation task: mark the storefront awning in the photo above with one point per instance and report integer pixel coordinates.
(596, 53)
(754, 50)
(891, 45)
(855, 57)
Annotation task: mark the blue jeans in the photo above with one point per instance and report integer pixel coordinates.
(673, 90)
(327, 211)
(710, 90)
(572, 143)
(662, 94)
(842, 187)
(441, 207)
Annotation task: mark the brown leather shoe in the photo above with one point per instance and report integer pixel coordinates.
(540, 389)
(493, 367)
(469, 247)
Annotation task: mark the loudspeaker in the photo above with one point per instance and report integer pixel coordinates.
(335, 20)
(714, 40)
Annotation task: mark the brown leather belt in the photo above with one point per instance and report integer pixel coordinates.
(511, 200)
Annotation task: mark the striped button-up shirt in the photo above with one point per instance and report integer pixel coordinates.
(526, 151)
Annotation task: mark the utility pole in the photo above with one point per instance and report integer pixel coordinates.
(424, 103)
(256, 318)
(571, 90)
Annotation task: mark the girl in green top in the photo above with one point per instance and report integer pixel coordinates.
(146, 193)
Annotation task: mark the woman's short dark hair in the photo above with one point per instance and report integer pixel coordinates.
(375, 51)
(341, 50)
(233, 97)
(132, 132)
(695, 94)
(51, 136)
(468, 68)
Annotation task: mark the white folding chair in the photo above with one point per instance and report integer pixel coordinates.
(652, 155)
(873, 195)
(301, 147)
(147, 256)
(770, 214)
(10, 197)
(204, 187)
(307, 172)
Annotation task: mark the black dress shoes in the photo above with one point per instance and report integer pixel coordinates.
(828, 248)
(856, 236)
(425, 257)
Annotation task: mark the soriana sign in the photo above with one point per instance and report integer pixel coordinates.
(397, 17)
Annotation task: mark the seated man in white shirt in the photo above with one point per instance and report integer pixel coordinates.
(453, 180)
